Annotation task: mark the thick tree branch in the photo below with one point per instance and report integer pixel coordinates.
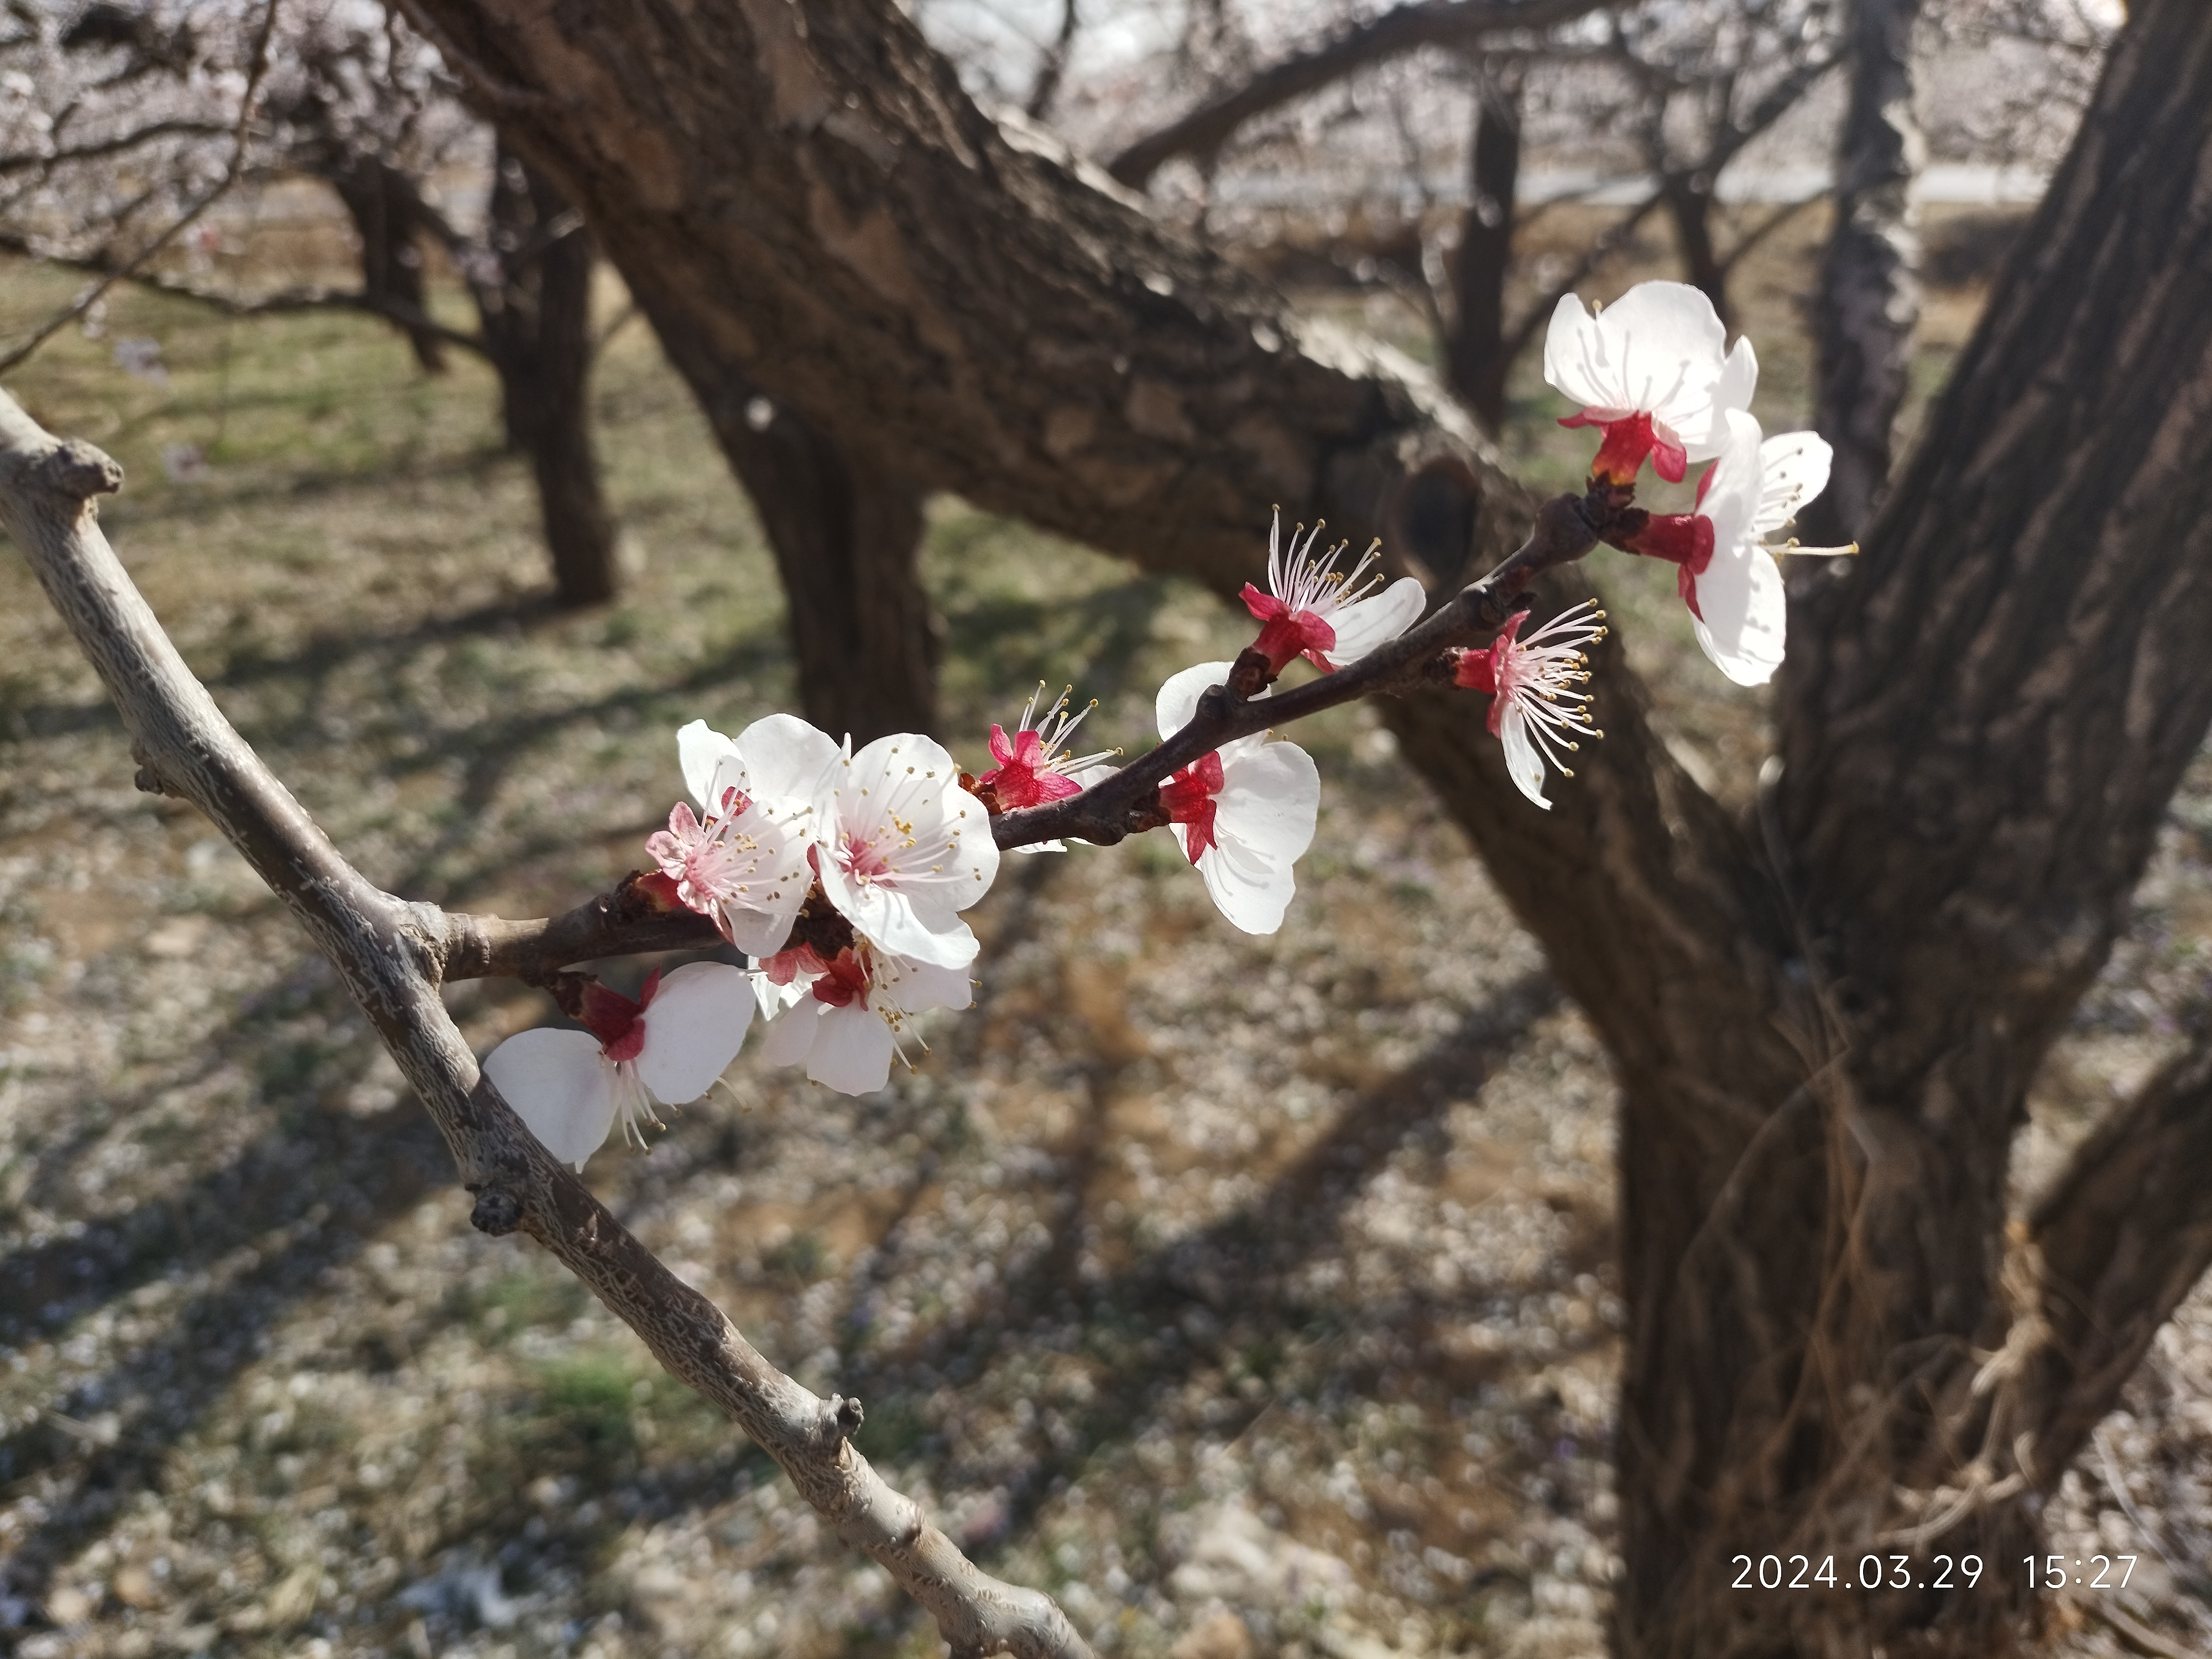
(2124, 1236)
(387, 953)
(1395, 32)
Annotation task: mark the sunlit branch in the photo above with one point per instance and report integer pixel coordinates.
(388, 954)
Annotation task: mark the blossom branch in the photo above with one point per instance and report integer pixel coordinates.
(1567, 527)
(389, 954)
(635, 918)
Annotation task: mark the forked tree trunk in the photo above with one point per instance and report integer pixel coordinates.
(1981, 720)
(1824, 1020)
(387, 213)
(536, 322)
(846, 531)
(1869, 301)
(1476, 354)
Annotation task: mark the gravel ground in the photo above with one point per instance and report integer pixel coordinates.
(1252, 1296)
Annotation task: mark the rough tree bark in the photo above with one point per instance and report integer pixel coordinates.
(1869, 301)
(846, 530)
(1823, 1020)
(537, 323)
(1476, 355)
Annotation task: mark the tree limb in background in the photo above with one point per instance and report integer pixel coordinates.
(1868, 303)
(385, 952)
(1403, 29)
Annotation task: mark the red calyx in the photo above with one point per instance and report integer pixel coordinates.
(659, 890)
(844, 978)
(1187, 797)
(1485, 670)
(613, 1018)
(1287, 634)
(1682, 539)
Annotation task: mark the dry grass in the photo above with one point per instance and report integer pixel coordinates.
(1193, 1276)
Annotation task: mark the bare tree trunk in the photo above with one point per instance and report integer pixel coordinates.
(537, 321)
(1824, 1021)
(846, 531)
(1476, 354)
(1869, 301)
(385, 208)
(1689, 199)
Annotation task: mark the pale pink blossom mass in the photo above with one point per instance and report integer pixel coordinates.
(1242, 815)
(745, 863)
(1649, 369)
(668, 1046)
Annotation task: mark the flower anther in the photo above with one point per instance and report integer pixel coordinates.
(1538, 708)
(1329, 617)
(1035, 764)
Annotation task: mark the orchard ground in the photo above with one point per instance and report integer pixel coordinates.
(1254, 1296)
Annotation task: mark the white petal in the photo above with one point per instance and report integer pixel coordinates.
(790, 1038)
(916, 987)
(700, 750)
(1793, 468)
(1372, 622)
(1739, 379)
(1251, 888)
(1522, 762)
(892, 921)
(560, 1085)
(763, 932)
(784, 755)
(1731, 502)
(852, 1050)
(774, 998)
(1177, 701)
(902, 796)
(693, 1029)
(1668, 340)
(1747, 611)
(1573, 356)
(1268, 801)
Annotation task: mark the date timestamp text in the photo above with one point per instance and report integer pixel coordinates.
(1868, 1572)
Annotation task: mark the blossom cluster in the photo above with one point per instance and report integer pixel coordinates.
(841, 875)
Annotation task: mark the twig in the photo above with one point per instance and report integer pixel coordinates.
(629, 920)
(1403, 29)
(284, 301)
(388, 952)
